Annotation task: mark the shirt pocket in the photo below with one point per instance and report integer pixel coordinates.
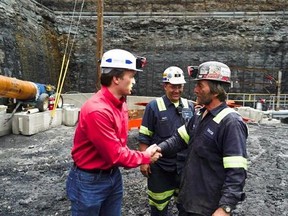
(164, 128)
(204, 145)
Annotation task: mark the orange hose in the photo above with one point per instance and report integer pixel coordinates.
(15, 88)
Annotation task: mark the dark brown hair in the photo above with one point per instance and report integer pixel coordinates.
(106, 78)
(219, 88)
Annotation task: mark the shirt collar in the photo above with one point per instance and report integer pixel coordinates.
(168, 102)
(216, 110)
(109, 96)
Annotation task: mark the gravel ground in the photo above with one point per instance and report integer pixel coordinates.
(33, 172)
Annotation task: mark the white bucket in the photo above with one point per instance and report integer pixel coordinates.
(70, 116)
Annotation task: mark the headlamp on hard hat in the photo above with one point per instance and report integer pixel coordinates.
(140, 62)
(193, 71)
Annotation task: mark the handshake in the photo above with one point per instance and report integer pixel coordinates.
(155, 152)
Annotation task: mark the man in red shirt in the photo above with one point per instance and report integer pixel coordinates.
(94, 185)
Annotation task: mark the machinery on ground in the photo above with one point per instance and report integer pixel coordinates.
(18, 95)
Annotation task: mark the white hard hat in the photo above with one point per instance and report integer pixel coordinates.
(211, 70)
(174, 75)
(118, 58)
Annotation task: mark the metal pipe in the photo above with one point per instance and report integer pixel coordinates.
(278, 89)
(18, 89)
(276, 114)
(31, 111)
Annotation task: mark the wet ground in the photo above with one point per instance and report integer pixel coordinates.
(33, 172)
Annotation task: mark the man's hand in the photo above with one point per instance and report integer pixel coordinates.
(152, 149)
(145, 170)
(155, 157)
(154, 152)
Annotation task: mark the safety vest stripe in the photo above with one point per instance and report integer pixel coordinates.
(222, 114)
(183, 134)
(235, 162)
(146, 131)
(161, 104)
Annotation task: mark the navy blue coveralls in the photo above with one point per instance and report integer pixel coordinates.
(215, 170)
(160, 121)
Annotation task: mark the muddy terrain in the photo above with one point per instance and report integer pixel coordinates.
(33, 171)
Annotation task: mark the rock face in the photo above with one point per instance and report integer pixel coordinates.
(29, 43)
(33, 41)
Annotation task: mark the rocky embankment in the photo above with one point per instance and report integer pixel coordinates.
(33, 42)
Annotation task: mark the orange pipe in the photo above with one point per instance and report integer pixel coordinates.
(18, 89)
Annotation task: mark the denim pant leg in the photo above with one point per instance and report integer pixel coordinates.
(94, 194)
(113, 203)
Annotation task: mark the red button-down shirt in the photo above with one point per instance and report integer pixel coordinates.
(100, 140)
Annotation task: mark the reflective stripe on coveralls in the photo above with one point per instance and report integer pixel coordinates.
(235, 162)
(231, 161)
(161, 107)
(183, 134)
(146, 131)
(160, 197)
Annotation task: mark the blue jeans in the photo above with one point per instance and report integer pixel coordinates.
(94, 194)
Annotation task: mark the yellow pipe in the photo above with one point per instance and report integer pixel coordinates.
(18, 89)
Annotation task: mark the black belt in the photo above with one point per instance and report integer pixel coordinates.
(108, 171)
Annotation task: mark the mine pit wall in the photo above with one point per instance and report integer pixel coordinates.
(33, 40)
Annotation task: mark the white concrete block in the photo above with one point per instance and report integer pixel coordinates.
(70, 115)
(244, 111)
(253, 114)
(256, 115)
(29, 124)
(5, 123)
(3, 108)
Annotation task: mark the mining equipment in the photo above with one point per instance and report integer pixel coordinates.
(19, 95)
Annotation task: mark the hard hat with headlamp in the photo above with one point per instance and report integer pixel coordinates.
(174, 75)
(211, 70)
(122, 59)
